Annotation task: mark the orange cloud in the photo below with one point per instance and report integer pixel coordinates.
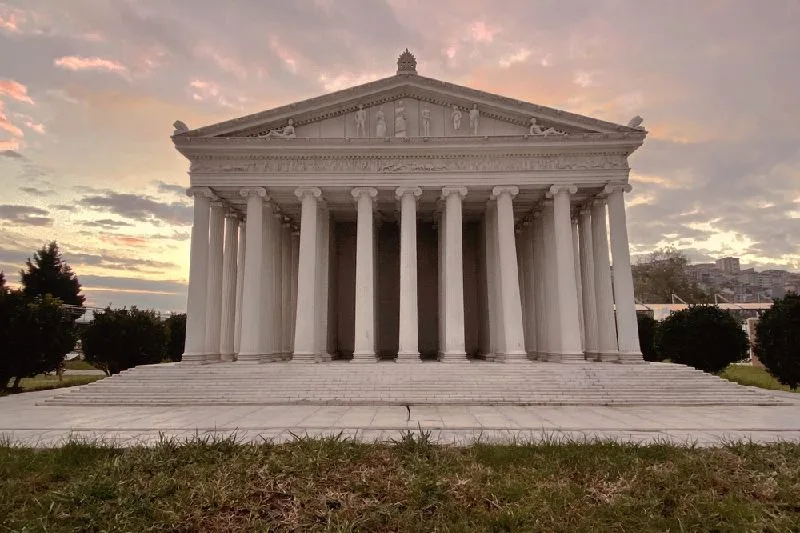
(15, 90)
(6, 124)
(77, 63)
(12, 144)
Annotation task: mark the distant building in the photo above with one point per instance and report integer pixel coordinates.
(729, 265)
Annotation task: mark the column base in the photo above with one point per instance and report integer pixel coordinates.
(576, 357)
(213, 358)
(609, 357)
(249, 358)
(303, 357)
(631, 358)
(592, 356)
(365, 357)
(227, 357)
(193, 359)
(453, 357)
(408, 357)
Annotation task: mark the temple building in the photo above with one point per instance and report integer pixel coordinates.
(409, 219)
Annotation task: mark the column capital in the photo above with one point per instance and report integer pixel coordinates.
(302, 192)
(216, 202)
(557, 189)
(200, 191)
(599, 200)
(585, 210)
(254, 191)
(368, 192)
(447, 191)
(512, 190)
(617, 186)
(233, 214)
(414, 192)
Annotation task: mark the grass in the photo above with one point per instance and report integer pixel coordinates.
(339, 485)
(78, 364)
(753, 376)
(51, 381)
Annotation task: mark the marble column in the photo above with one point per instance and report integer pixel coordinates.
(512, 328)
(529, 277)
(492, 289)
(195, 346)
(286, 290)
(230, 254)
(576, 254)
(268, 284)
(364, 339)
(454, 345)
(551, 294)
(252, 313)
(237, 338)
(323, 259)
(408, 337)
(214, 294)
(543, 307)
(440, 242)
(277, 278)
(606, 328)
(305, 315)
(570, 339)
(293, 305)
(589, 301)
(627, 325)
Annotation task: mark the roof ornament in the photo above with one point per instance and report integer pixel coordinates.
(406, 63)
(180, 127)
(636, 123)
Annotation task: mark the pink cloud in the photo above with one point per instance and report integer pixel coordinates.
(77, 63)
(6, 124)
(482, 34)
(284, 53)
(228, 64)
(15, 90)
(30, 124)
(12, 144)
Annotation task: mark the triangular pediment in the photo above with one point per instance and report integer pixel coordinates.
(406, 105)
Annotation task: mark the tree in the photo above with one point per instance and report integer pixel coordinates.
(118, 339)
(176, 334)
(647, 336)
(2, 282)
(35, 335)
(778, 340)
(48, 273)
(662, 274)
(702, 336)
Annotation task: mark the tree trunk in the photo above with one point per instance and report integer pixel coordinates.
(16, 382)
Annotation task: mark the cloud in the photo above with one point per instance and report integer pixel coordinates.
(6, 124)
(34, 191)
(26, 215)
(139, 207)
(78, 63)
(15, 90)
(170, 188)
(105, 223)
(12, 154)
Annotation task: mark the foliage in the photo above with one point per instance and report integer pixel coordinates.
(48, 273)
(118, 339)
(3, 287)
(662, 274)
(336, 484)
(702, 336)
(35, 335)
(752, 376)
(176, 336)
(647, 337)
(52, 381)
(778, 340)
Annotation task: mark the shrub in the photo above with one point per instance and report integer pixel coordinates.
(118, 339)
(647, 337)
(704, 337)
(778, 340)
(176, 332)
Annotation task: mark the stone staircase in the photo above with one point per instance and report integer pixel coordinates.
(469, 383)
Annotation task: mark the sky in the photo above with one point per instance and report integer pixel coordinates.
(89, 90)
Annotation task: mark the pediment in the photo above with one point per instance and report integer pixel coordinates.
(407, 106)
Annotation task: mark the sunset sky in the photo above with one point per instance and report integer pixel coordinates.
(89, 90)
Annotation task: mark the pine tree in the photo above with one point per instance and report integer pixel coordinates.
(48, 273)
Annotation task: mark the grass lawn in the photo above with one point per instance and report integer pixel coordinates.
(753, 376)
(50, 381)
(78, 364)
(339, 485)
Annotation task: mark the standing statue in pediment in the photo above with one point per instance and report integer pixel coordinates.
(361, 122)
(400, 120)
(380, 126)
(474, 115)
(426, 121)
(456, 116)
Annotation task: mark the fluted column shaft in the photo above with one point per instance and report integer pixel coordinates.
(606, 329)
(364, 339)
(214, 294)
(249, 343)
(268, 284)
(529, 283)
(240, 255)
(408, 337)
(543, 306)
(194, 347)
(323, 251)
(627, 326)
(454, 346)
(286, 290)
(277, 287)
(512, 328)
(588, 294)
(295, 260)
(305, 315)
(551, 297)
(231, 251)
(576, 254)
(495, 311)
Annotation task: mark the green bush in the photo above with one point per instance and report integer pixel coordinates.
(118, 339)
(704, 337)
(647, 337)
(176, 330)
(778, 340)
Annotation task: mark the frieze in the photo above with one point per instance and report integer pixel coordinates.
(419, 164)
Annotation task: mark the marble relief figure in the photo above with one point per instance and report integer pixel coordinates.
(287, 132)
(426, 121)
(456, 116)
(400, 120)
(361, 122)
(536, 129)
(380, 126)
(474, 115)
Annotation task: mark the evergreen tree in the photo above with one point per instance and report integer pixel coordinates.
(778, 340)
(48, 273)
(2, 282)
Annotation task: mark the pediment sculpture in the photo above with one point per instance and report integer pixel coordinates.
(536, 129)
(286, 132)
